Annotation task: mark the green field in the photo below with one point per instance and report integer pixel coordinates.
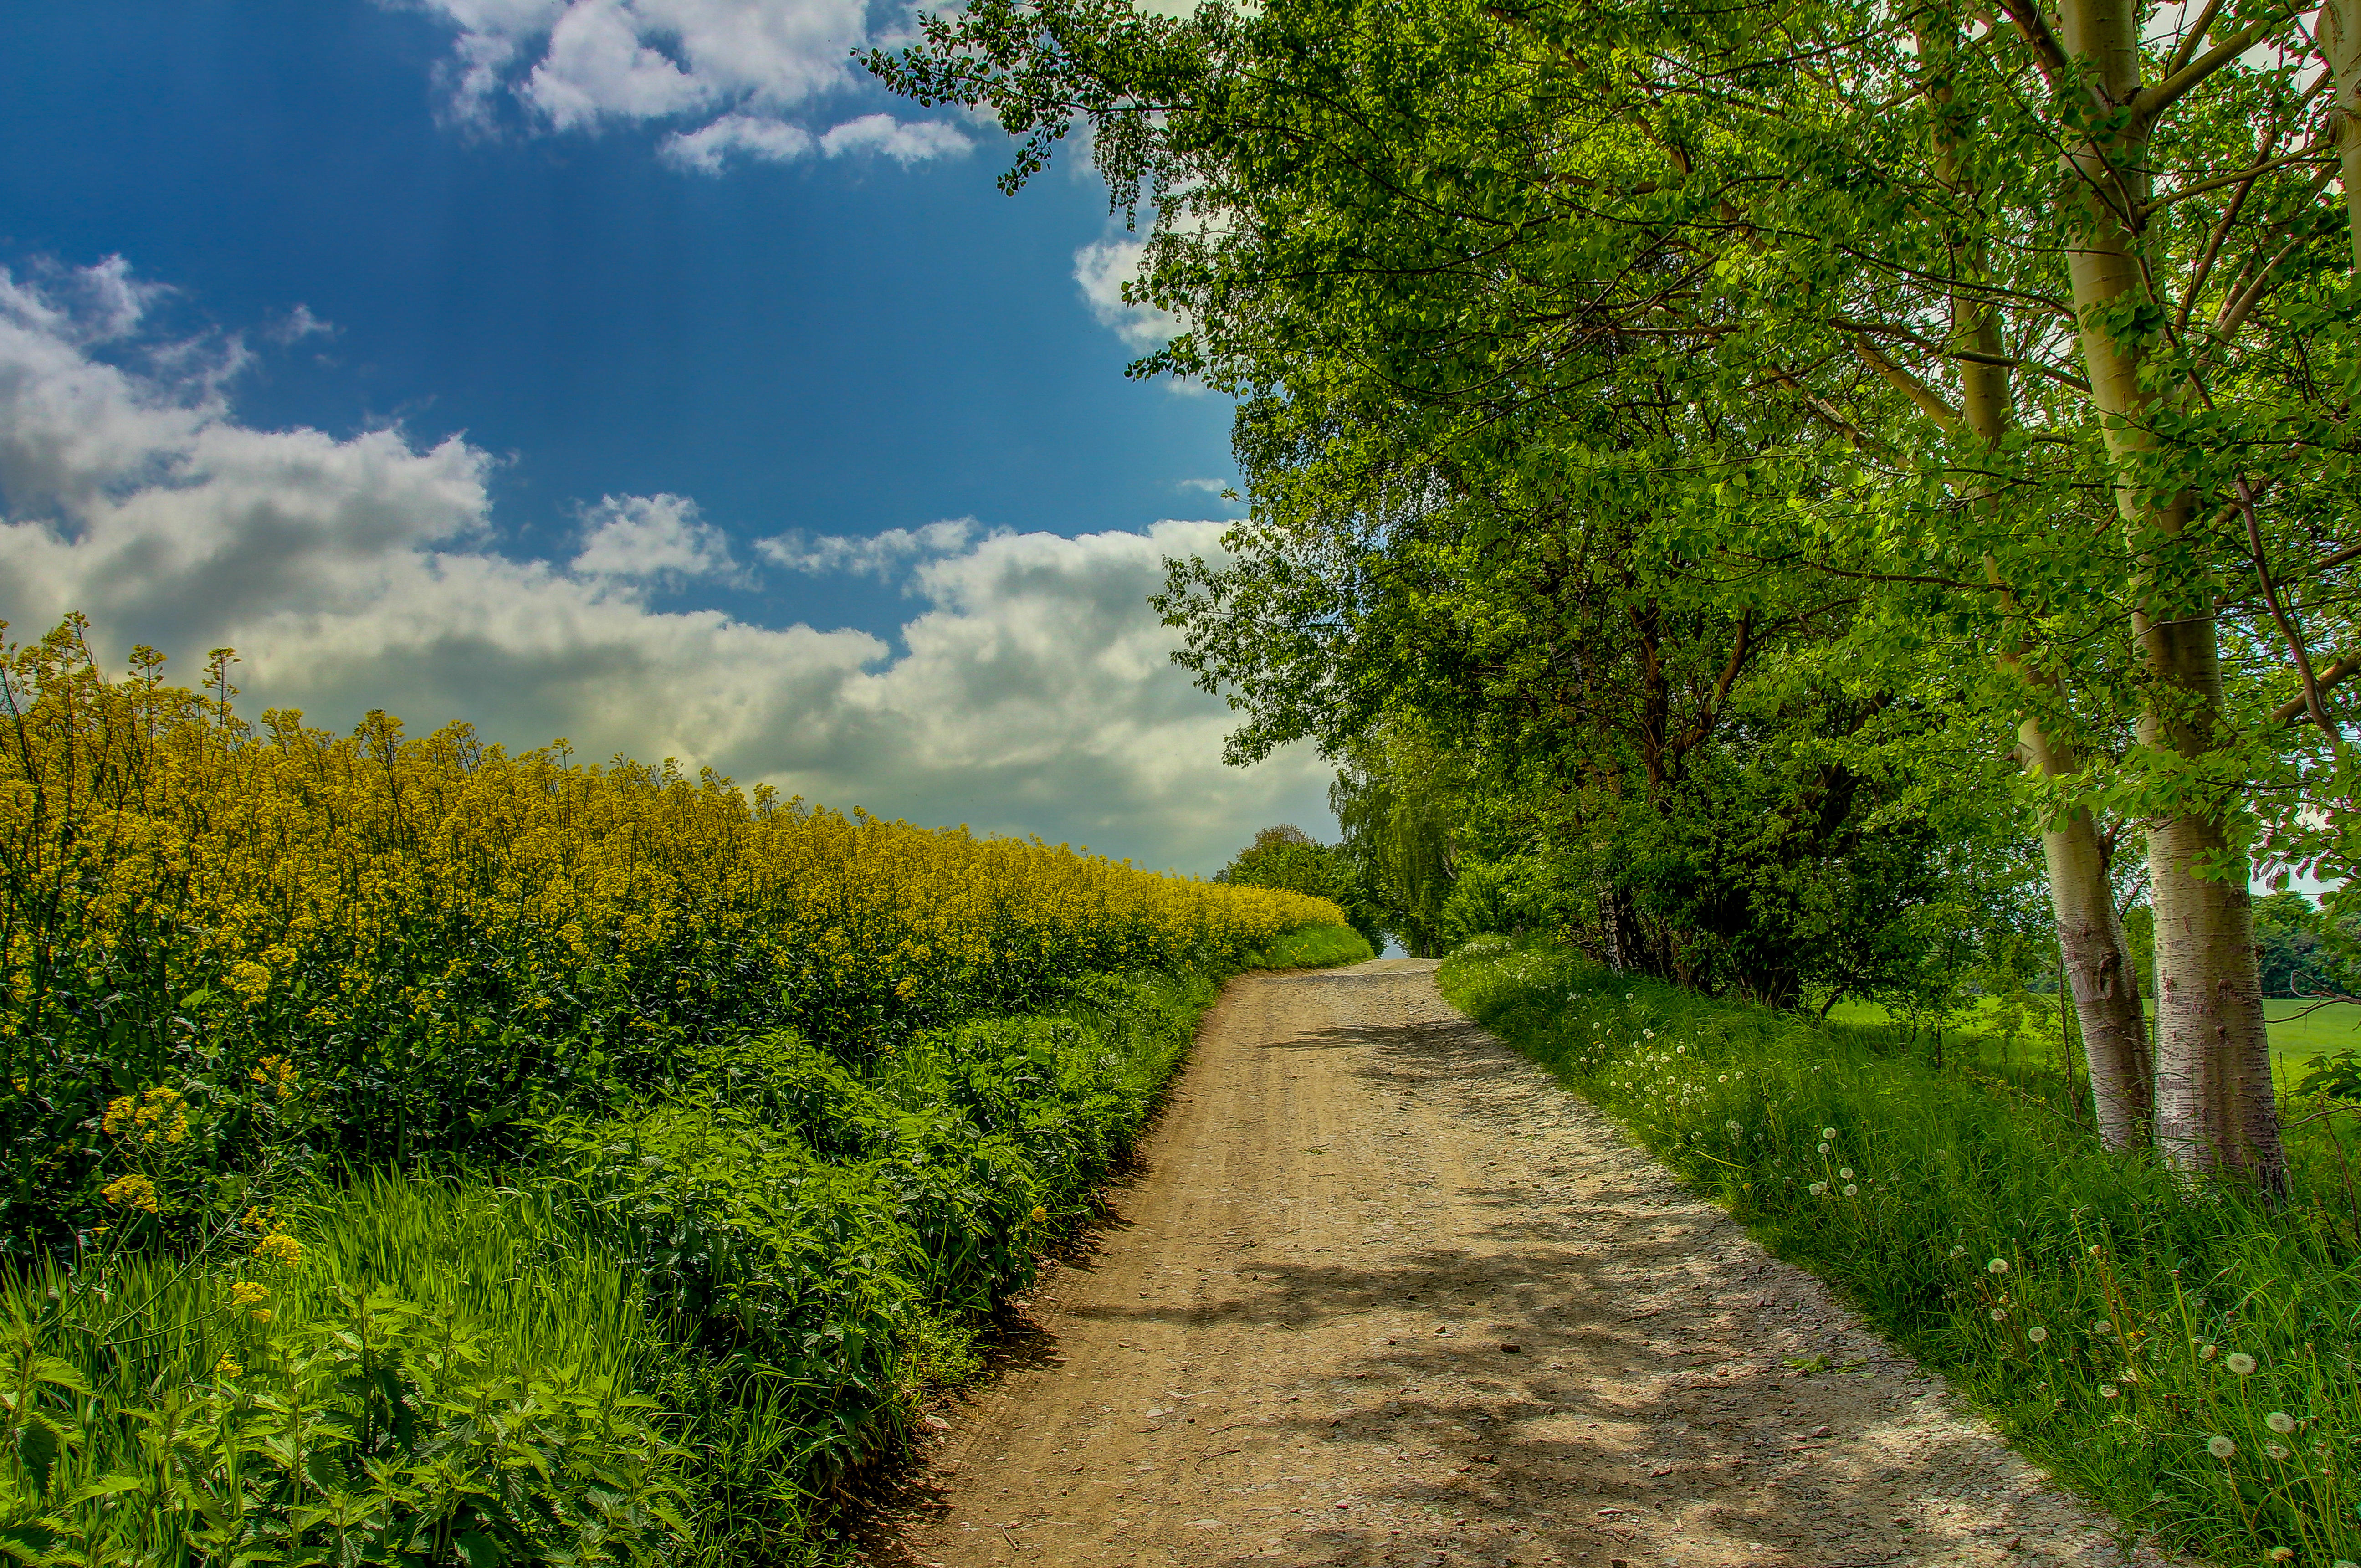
(2300, 1030)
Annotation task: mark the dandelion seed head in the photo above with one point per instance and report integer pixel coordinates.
(2037, 1334)
(2274, 1451)
(1997, 1265)
(1828, 1132)
(2239, 1361)
(1851, 1191)
(2280, 1422)
(2106, 1390)
(1823, 1148)
(2219, 1447)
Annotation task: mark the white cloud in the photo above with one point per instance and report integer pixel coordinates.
(298, 324)
(738, 66)
(705, 150)
(1034, 694)
(651, 539)
(875, 554)
(1211, 487)
(1103, 267)
(904, 142)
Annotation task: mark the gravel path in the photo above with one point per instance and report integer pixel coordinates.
(1381, 1293)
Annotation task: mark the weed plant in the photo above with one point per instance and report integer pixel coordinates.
(2184, 1353)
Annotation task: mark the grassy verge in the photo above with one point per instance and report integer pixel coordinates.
(2184, 1356)
(1315, 947)
(665, 1337)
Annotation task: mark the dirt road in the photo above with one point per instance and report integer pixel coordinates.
(1383, 1294)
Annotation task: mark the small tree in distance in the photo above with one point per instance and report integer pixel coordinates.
(1288, 858)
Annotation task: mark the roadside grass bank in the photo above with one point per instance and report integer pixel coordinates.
(665, 1337)
(2184, 1355)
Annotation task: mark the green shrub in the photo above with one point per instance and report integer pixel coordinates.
(666, 1337)
(828, 1240)
(2113, 1320)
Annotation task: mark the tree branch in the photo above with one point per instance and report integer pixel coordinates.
(2337, 672)
(2153, 99)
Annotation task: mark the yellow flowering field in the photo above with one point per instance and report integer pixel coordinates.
(232, 940)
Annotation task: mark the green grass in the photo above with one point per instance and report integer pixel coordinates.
(2099, 1311)
(1315, 947)
(431, 1333)
(666, 1339)
(2299, 1030)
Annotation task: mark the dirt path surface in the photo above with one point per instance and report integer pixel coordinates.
(1382, 1293)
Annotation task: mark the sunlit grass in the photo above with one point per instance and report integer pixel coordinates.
(2184, 1354)
(2299, 1029)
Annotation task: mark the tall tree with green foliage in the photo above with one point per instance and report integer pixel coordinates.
(2030, 331)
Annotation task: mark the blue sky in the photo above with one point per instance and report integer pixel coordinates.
(630, 370)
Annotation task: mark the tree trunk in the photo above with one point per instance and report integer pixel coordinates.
(1620, 927)
(2215, 1112)
(2338, 28)
(2099, 973)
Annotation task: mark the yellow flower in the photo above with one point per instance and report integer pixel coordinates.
(261, 1314)
(133, 1192)
(1040, 1215)
(228, 1367)
(276, 1073)
(159, 1116)
(248, 979)
(281, 1248)
(246, 1293)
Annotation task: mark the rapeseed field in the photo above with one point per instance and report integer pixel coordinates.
(320, 1050)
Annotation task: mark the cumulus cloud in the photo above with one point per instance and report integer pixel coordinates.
(1033, 693)
(705, 150)
(651, 539)
(1103, 267)
(710, 149)
(875, 554)
(904, 142)
(737, 66)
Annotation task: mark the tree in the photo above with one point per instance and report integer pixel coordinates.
(1287, 856)
(1765, 303)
